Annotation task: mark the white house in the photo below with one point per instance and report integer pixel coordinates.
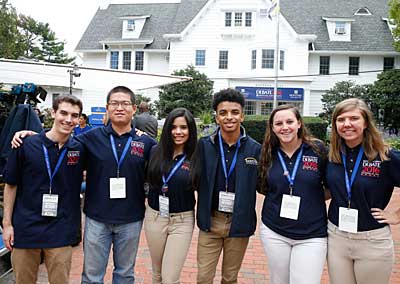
(234, 43)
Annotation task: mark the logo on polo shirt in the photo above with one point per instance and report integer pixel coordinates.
(137, 148)
(73, 157)
(310, 163)
(371, 169)
(251, 161)
(185, 166)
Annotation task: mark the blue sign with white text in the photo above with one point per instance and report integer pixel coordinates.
(267, 94)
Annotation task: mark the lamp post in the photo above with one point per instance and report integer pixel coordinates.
(73, 73)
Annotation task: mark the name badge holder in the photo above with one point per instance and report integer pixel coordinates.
(227, 199)
(290, 203)
(163, 201)
(50, 201)
(348, 217)
(118, 184)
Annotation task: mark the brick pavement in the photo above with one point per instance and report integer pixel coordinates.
(254, 269)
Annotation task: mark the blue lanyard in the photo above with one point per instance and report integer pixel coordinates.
(47, 160)
(349, 184)
(233, 164)
(173, 171)
(291, 177)
(121, 159)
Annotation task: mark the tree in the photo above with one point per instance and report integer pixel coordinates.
(394, 16)
(195, 94)
(385, 92)
(11, 42)
(23, 36)
(41, 42)
(341, 91)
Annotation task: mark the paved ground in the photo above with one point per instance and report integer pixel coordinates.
(254, 269)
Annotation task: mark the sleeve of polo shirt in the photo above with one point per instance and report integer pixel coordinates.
(13, 167)
(394, 156)
(324, 162)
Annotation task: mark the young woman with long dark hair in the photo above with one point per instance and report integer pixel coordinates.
(169, 218)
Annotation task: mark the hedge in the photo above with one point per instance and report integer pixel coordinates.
(255, 126)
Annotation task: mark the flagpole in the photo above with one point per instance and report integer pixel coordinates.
(277, 53)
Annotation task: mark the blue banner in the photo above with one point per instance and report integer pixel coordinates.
(96, 119)
(98, 109)
(267, 94)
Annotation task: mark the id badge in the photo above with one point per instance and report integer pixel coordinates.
(290, 206)
(226, 201)
(163, 202)
(348, 219)
(117, 188)
(50, 205)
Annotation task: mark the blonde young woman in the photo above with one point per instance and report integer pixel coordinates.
(361, 174)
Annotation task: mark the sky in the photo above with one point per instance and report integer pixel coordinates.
(67, 18)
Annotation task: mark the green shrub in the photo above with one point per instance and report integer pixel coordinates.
(256, 124)
(394, 143)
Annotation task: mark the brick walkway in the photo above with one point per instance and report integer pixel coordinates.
(254, 269)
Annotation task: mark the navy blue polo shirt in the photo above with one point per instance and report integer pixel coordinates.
(26, 168)
(220, 181)
(308, 185)
(180, 191)
(372, 187)
(101, 166)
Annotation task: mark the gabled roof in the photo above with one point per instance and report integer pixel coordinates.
(165, 18)
(368, 32)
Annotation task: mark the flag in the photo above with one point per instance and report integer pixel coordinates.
(273, 9)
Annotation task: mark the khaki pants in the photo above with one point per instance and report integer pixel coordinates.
(210, 245)
(363, 257)
(169, 241)
(25, 263)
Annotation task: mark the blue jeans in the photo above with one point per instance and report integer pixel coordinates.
(98, 238)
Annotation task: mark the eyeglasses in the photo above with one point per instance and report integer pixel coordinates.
(123, 104)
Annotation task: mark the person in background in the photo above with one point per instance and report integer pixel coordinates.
(82, 126)
(41, 198)
(40, 115)
(144, 121)
(169, 218)
(294, 226)
(361, 175)
(225, 178)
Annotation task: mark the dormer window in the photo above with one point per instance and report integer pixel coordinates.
(340, 28)
(363, 12)
(238, 19)
(130, 25)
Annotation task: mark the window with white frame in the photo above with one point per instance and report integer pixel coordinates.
(340, 28)
(282, 59)
(228, 19)
(267, 59)
(238, 19)
(114, 59)
(139, 60)
(130, 25)
(324, 65)
(253, 59)
(266, 108)
(248, 19)
(200, 59)
(249, 107)
(388, 63)
(126, 60)
(354, 65)
(223, 59)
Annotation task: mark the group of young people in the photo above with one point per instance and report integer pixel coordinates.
(221, 173)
